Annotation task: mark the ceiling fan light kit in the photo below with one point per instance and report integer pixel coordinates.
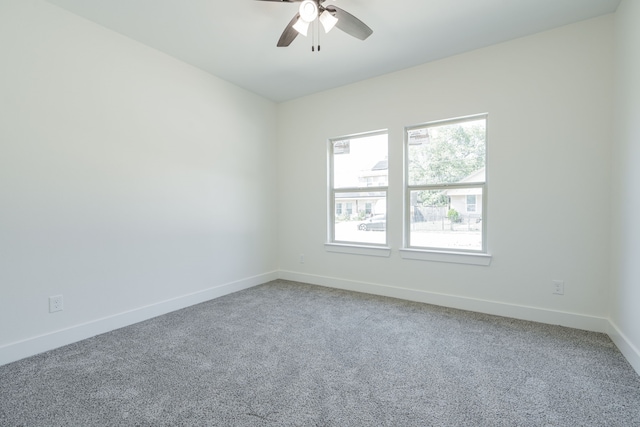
(330, 16)
(308, 10)
(328, 21)
(301, 26)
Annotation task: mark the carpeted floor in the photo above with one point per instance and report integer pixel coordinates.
(290, 354)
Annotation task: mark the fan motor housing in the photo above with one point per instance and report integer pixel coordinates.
(308, 10)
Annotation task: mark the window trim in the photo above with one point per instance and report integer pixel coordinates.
(473, 258)
(332, 244)
(356, 249)
(465, 256)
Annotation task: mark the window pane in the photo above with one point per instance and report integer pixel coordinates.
(448, 153)
(440, 219)
(471, 203)
(359, 226)
(360, 162)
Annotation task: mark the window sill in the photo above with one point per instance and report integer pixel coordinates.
(442, 256)
(343, 248)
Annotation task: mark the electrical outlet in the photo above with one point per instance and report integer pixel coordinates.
(301, 258)
(55, 303)
(558, 287)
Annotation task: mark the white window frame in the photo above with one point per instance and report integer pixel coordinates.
(477, 257)
(358, 248)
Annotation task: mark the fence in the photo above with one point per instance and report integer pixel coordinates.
(434, 218)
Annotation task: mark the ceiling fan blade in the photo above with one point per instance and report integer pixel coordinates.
(349, 23)
(289, 34)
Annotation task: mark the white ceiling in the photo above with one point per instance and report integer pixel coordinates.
(236, 39)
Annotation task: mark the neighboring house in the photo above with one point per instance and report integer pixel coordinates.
(378, 176)
(468, 201)
(366, 203)
(354, 205)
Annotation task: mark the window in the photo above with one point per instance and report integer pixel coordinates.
(338, 208)
(446, 189)
(471, 203)
(349, 209)
(358, 174)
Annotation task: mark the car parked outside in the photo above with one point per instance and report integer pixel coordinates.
(376, 222)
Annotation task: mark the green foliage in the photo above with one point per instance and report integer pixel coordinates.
(343, 217)
(452, 153)
(453, 215)
(432, 198)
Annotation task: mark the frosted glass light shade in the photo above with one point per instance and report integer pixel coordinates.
(328, 21)
(301, 26)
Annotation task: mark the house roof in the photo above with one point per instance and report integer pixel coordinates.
(381, 165)
(477, 176)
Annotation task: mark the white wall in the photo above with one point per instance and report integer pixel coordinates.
(134, 184)
(625, 299)
(130, 182)
(549, 100)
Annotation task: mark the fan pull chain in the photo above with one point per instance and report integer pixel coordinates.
(315, 29)
(318, 28)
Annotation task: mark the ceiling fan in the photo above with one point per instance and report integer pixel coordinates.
(329, 16)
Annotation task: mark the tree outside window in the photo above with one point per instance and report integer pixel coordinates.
(446, 185)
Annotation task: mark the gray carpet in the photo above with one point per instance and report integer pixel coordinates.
(289, 354)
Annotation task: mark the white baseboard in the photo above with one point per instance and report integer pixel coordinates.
(571, 320)
(35, 345)
(626, 347)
